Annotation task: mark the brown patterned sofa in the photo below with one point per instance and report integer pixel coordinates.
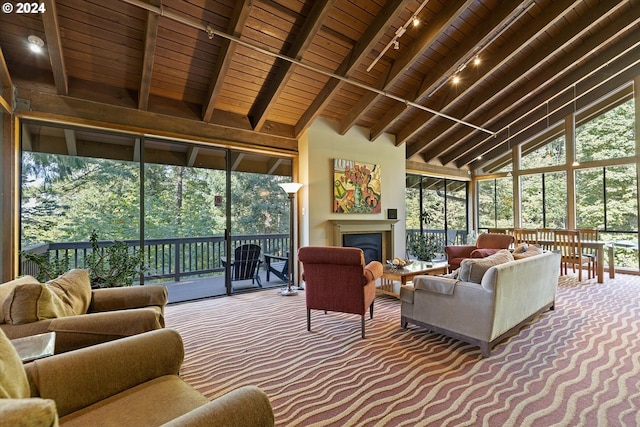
(133, 381)
(80, 316)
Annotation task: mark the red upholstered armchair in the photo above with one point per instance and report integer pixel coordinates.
(486, 244)
(336, 279)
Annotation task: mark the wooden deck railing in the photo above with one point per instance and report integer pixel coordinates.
(166, 258)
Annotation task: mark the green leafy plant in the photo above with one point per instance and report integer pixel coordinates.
(114, 265)
(423, 246)
(48, 268)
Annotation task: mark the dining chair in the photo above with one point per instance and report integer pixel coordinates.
(545, 235)
(525, 235)
(568, 243)
(499, 231)
(590, 253)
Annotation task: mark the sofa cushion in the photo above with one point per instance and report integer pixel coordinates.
(6, 288)
(13, 378)
(74, 288)
(520, 248)
(531, 251)
(32, 412)
(30, 302)
(483, 252)
(67, 295)
(473, 269)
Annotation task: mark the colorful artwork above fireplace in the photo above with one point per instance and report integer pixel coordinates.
(356, 187)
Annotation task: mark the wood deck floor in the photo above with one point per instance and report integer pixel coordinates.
(212, 286)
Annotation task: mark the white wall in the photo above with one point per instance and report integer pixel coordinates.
(318, 147)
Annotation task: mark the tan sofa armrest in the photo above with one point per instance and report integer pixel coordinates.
(31, 412)
(435, 284)
(109, 299)
(246, 406)
(82, 377)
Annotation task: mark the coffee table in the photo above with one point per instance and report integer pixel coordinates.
(35, 346)
(391, 274)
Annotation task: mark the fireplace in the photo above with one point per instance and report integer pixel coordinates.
(374, 237)
(370, 243)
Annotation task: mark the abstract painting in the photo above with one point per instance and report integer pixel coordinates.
(356, 187)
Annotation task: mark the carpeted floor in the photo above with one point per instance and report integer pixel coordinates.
(576, 366)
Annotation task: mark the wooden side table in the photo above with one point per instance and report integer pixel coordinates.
(390, 275)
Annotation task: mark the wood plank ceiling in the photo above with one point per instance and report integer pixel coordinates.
(263, 70)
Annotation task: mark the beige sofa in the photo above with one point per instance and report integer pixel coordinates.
(129, 382)
(80, 316)
(506, 294)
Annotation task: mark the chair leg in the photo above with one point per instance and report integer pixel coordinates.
(308, 319)
(371, 311)
(362, 325)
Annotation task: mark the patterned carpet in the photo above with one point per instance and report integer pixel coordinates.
(576, 366)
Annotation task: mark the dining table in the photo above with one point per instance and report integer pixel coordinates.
(599, 246)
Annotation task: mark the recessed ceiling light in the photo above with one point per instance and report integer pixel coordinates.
(455, 79)
(35, 43)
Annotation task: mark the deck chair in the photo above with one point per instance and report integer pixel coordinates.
(245, 264)
(278, 265)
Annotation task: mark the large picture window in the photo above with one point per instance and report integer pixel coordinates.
(495, 203)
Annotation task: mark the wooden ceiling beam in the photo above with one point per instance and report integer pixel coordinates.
(360, 50)
(225, 57)
(459, 102)
(561, 94)
(273, 165)
(260, 109)
(150, 41)
(192, 155)
(70, 139)
(502, 112)
(458, 57)
(411, 53)
(48, 106)
(54, 47)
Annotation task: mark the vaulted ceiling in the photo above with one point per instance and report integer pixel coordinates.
(259, 72)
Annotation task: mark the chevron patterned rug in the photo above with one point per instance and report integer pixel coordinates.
(576, 366)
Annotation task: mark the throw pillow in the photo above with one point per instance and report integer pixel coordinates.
(13, 378)
(6, 288)
(74, 289)
(520, 248)
(473, 269)
(30, 302)
(531, 251)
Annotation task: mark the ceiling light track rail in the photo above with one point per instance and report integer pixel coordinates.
(212, 32)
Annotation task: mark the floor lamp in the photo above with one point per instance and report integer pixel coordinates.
(291, 188)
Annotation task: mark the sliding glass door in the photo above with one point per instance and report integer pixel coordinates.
(185, 206)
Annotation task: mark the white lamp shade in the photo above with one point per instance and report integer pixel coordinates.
(290, 187)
